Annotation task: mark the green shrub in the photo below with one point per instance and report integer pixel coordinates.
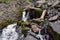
(6, 1)
(23, 26)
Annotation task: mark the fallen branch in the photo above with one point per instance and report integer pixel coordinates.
(42, 16)
(38, 19)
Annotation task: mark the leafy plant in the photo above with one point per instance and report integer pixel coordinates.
(6, 1)
(23, 26)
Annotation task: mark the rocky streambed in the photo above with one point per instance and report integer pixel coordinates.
(11, 12)
(53, 15)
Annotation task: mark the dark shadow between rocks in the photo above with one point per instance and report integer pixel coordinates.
(54, 34)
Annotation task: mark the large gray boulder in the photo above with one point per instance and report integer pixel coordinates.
(56, 4)
(56, 26)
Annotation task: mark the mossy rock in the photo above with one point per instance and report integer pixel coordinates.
(3, 24)
(35, 13)
(19, 23)
(22, 24)
(55, 35)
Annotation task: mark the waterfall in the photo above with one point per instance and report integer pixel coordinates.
(9, 33)
(25, 16)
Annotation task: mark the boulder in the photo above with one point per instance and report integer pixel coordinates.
(56, 26)
(53, 18)
(40, 3)
(34, 12)
(56, 4)
(53, 33)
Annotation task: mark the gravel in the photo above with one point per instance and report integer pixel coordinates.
(9, 10)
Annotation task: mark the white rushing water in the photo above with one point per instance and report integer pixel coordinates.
(25, 16)
(9, 33)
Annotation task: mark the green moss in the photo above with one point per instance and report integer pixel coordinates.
(19, 23)
(23, 26)
(24, 31)
(5, 23)
(19, 14)
(35, 13)
(55, 35)
(6, 1)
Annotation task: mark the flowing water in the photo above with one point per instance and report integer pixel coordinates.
(25, 16)
(9, 33)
